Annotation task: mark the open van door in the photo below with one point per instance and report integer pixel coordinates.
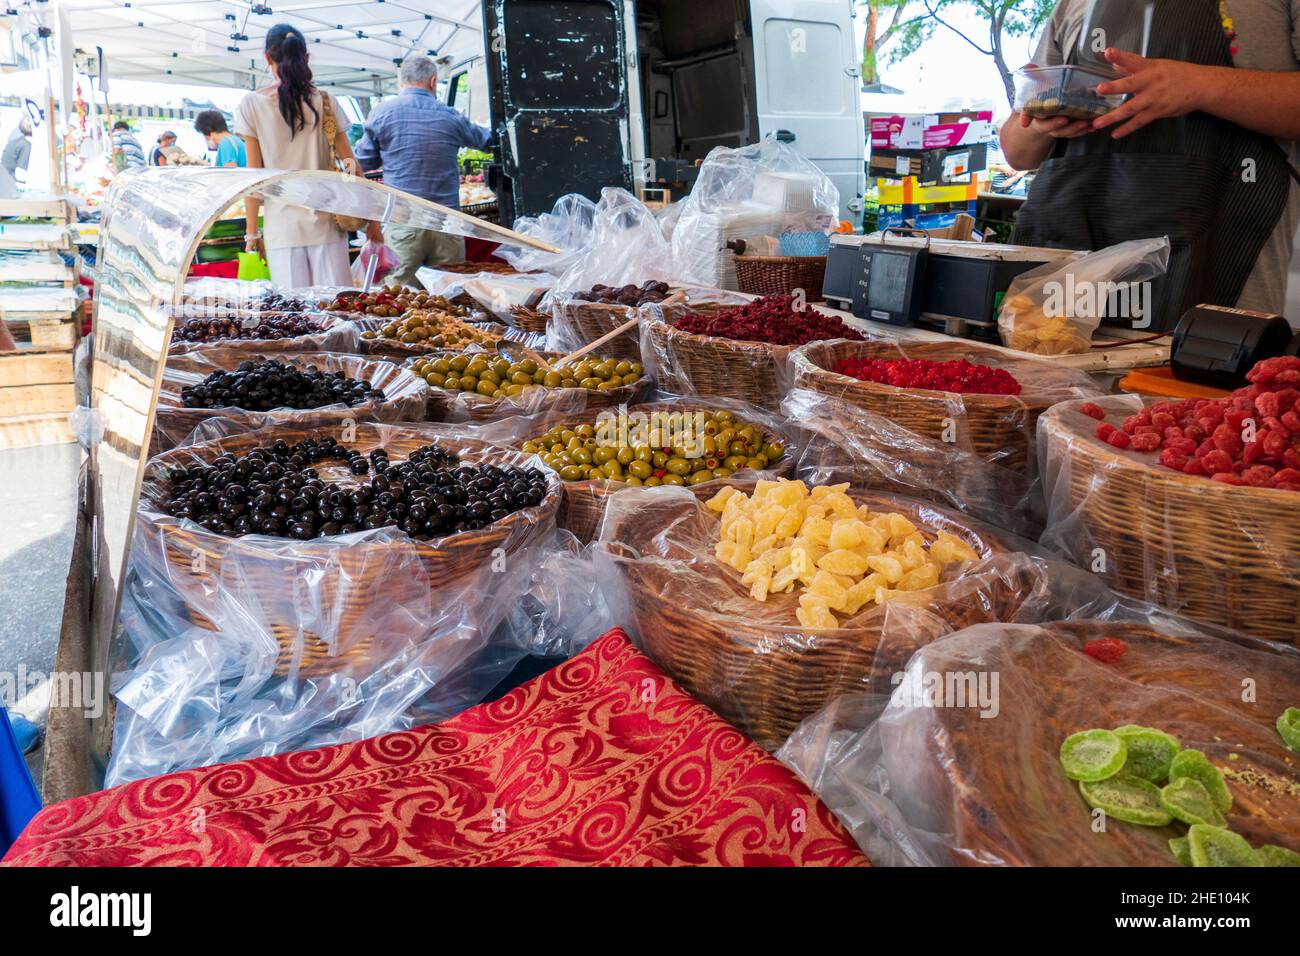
(807, 78)
(558, 75)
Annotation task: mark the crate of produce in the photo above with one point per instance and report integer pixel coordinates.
(314, 590)
(711, 604)
(955, 788)
(301, 388)
(483, 386)
(980, 399)
(641, 460)
(736, 352)
(1211, 533)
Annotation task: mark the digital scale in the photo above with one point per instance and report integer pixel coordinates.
(902, 277)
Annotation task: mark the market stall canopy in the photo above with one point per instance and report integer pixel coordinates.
(152, 223)
(355, 46)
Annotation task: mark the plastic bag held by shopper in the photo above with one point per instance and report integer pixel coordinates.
(373, 250)
(1054, 309)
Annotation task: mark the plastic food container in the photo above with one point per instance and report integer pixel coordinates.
(1071, 91)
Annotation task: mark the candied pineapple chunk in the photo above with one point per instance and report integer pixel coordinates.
(948, 548)
(838, 556)
(719, 501)
(844, 561)
(847, 533)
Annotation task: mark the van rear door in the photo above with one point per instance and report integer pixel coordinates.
(806, 82)
(558, 88)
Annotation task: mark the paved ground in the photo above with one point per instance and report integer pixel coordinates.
(38, 488)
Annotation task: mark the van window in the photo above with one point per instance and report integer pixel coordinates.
(563, 54)
(803, 57)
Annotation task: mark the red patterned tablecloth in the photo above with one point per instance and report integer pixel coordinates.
(603, 760)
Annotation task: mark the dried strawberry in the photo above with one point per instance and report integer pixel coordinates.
(1227, 478)
(1105, 430)
(1145, 441)
(1217, 460)
(1106, 649)
(1119, 439)
(1173, 458)
(1093, 410)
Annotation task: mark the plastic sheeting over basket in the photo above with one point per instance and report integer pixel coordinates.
(960, 766)
(583, 505)
(335, 335)
(753, 662)
(255, 645)
(405, 394)
(1221, 554)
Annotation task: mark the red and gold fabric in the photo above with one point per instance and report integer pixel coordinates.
(603, 760)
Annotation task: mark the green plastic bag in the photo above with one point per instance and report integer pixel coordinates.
(252, 267)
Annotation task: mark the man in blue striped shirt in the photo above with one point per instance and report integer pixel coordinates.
(415, 138)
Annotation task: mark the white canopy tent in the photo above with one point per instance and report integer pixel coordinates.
(355, 46)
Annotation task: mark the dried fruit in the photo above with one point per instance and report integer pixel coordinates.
(1194, 764)
(1185, 799)
(1092, 755)
(1270, 855)
(955, 375)
(1215, 846)
(1128, 798)
(1288, 727)
(1181, 848)
(1150, 751)
(1106, 649)
(773, 318)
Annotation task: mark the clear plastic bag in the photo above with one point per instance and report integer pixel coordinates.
(387, 262)
(626, 245)
(760, 190)
(973, 452)
(568, 226)
(335, 334)
(1217, 553)
(958, 762)
(753, 662)
(241, 647)
(406, 396)
(1054, 309)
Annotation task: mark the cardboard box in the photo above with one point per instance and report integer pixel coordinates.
(931, 130)
(931, 167)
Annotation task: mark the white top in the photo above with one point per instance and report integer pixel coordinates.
(259, 116)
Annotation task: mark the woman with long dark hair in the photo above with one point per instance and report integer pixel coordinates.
(283, 126)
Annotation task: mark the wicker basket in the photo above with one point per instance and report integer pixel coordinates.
(474, 268)
(358, 576)
(400, 351)
(998, 428)
(336, 335)
(689, 364)
(590, 320)
(1217, 553)
(530, 320)
(762, 671)
(405, 393)
(781, 275)
(583, 505)
(445, 406)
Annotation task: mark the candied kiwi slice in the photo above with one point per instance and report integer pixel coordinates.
(1270, 855)
(1092, 755)
(1150, 751)
(1215, 846)
(1288, 728)
(1182, 850)
(1187, 799)
(1128, 798)
(1194, 764)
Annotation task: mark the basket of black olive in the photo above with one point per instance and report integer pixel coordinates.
(309, 389)
(302, 534)
(200, 327)
(484, 386)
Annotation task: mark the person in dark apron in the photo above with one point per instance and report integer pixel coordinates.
(1162, 164)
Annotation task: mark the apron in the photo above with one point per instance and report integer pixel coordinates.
(1180, 177)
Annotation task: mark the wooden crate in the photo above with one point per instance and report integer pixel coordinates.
(44, 333)
(35, 367)
(32, 430)
(21, 401)
(59, 210)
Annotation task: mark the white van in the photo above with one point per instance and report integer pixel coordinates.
(590, 93)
